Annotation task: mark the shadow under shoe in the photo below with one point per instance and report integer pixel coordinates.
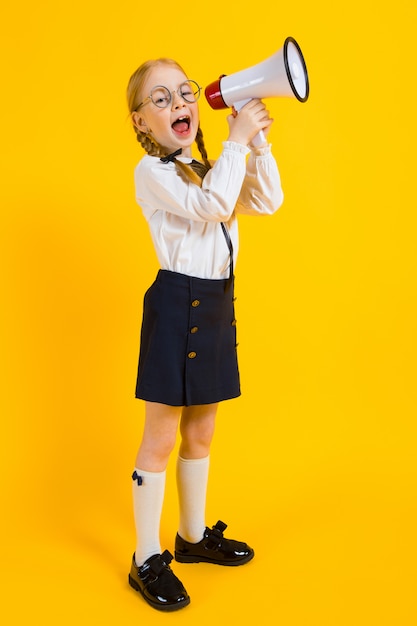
(213, 548)
(157, 583)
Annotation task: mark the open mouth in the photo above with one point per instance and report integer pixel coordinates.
(182, 124)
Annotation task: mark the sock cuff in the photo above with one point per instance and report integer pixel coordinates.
(202, 461)
(143, 476)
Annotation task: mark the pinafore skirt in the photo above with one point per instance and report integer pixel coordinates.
(188, 341)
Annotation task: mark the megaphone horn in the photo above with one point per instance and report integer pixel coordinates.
(284, 74)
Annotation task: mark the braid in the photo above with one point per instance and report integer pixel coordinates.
(202, 148)
(148, 143)
(153, 149)
(185, 171)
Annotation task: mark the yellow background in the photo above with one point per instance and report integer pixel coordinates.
(315, 465)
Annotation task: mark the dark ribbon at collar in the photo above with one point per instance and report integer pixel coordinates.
(171, 157)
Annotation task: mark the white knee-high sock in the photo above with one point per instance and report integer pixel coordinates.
(148, 497)
(192, 477)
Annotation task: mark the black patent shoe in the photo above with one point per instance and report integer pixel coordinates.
(158, 584)
(213, 548)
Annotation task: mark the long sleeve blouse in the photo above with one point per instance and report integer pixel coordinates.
(184, 219)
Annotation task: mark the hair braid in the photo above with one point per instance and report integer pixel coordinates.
(185, 171)
(148, 143)
(202, 148)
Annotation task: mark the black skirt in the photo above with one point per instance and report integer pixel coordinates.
(188, 341)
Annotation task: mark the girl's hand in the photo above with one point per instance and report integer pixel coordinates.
(251, 119)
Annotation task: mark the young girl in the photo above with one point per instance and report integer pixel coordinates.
(188, 361)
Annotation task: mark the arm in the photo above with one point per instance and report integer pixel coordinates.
(261, 192)
(159, 187)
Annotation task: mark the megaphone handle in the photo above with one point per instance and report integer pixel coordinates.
(260, 138)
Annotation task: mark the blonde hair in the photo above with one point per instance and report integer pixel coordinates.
(148, 143)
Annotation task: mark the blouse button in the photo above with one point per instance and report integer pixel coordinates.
(195, 303)
(234, 323)
(192, 355)
(194, 329)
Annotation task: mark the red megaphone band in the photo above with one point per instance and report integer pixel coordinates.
(214, 95)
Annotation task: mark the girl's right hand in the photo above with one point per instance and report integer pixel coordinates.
(251, 119)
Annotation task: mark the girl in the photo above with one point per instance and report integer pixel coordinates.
(188, 361)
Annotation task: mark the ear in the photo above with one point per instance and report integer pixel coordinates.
(139, 122)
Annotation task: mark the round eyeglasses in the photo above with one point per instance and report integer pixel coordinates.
(162, 97)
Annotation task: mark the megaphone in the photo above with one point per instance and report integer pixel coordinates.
(282, 75)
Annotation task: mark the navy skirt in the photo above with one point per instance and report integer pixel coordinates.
(188, 341)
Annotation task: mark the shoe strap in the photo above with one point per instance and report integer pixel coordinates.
(162, 560)
(215, 535)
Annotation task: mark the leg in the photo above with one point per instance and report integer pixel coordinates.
(197, 428)
(194, 541)
(159, 436)
(150, 572)
(161, 423)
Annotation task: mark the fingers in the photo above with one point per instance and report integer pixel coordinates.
(257, 110)
(251, 118)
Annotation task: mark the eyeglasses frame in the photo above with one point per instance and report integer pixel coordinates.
(171, 93)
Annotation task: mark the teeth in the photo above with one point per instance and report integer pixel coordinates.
(184, 119)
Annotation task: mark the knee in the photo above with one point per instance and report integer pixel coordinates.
(155, 453)
(195, 442)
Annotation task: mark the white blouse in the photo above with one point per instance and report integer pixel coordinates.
(184, 219)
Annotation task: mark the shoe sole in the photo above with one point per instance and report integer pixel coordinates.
(201, 559)
(156, 605)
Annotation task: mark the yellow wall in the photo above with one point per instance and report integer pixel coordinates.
(315, 464)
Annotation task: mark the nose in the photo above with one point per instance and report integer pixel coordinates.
(177, 101)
